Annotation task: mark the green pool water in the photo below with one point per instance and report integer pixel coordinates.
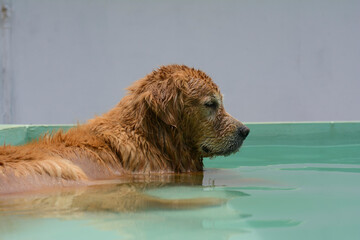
(289, 181)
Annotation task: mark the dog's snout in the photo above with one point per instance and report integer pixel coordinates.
(243, 131)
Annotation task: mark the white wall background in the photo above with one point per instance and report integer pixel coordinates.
(64, 61)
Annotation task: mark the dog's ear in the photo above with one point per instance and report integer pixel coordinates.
(165, 100)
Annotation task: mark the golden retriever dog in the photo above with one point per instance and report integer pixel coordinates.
(167, 123)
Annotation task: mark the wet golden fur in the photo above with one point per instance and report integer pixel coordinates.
(167, 123)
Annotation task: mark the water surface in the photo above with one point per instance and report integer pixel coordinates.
(273, 192)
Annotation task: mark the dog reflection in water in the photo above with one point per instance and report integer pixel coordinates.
(115, 196)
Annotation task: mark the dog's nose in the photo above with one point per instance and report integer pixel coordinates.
(243, 131)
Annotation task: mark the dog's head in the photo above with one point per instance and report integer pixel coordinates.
(187, 101)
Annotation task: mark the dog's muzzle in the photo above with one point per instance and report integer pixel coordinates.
(232, 144)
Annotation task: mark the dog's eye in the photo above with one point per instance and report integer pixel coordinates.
(211, 104)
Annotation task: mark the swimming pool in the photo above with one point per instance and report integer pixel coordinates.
(289, 181)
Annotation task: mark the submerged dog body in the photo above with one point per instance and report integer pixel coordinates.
(167, 123)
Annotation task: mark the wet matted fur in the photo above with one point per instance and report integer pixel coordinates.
(167, 123)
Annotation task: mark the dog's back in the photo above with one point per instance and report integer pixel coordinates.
(56, 159)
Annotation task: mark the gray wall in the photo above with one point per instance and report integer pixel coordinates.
(279, 60)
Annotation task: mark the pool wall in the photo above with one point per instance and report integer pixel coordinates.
(307, 133)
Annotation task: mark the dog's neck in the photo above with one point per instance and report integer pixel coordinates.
(144, 143)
